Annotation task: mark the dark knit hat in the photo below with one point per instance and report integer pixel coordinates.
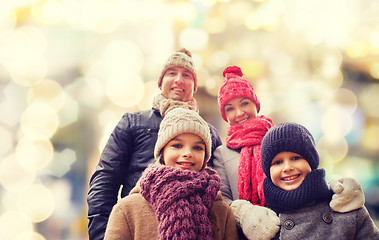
(181, 58)
(288, 137)
(235, 86)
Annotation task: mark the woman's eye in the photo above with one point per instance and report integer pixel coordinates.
(244, 103)
(228, 109)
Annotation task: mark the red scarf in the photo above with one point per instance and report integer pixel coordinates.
(248, 137)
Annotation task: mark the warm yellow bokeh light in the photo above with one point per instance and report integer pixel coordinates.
(123, 57)
(34, 154)
(358, 49)
(36, 202)
(374, 70)
(6, 140)
(125, 92)
(39, 120)
(29, 235)
(335, 148)
(370, 99)
(13, 176)
(336, 122)
(194, 39)
(13, 223)
(47, 91)
(151, 91)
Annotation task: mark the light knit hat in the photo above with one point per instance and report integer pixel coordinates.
(235, 86)
(288, 137)
(179, 121)
(181, 58)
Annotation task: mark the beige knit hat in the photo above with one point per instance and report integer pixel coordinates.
(182, 58)
(179, 121)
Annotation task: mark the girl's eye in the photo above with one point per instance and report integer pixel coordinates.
(199, 148)
(186, 75)
(177, 145)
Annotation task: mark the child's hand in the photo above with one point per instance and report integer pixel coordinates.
(348, 195)
(256, 222)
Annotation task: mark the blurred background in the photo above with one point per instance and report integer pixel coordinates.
(69, 69)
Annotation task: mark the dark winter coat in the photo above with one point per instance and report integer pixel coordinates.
(128, 152)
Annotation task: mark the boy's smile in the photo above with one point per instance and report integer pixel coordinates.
(288, 170)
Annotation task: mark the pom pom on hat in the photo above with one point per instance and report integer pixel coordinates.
(288, 137)
(181, 58)
(179, 121)
(235, 86)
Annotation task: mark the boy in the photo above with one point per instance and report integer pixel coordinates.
(297, 191)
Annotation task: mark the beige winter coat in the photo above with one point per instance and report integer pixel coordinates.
(133, 218)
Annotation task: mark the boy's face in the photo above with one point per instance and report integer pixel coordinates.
(239, 110)
(178, 84)
(185, 151)
(288, 170)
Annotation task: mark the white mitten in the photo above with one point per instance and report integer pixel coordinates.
(348, 195)
(256, 222)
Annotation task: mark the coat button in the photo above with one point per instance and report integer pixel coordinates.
(326, 217)
(288, 224)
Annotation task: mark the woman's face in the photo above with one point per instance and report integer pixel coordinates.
(186, 151)
(288, 170)
(239, 110)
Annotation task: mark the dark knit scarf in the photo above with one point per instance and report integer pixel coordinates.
(181, 200)
(248, 136)
(313, 189)
(164, 105)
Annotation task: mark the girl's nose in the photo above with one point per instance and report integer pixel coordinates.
(287, 166)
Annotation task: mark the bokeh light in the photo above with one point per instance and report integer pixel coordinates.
(70, 69)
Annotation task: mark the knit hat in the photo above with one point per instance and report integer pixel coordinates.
(179, 121)
(182, 58)
(235, 86)
(288, 137)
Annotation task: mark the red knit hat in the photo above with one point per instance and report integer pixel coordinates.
(235, 86)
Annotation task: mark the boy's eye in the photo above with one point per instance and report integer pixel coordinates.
(297, 157)
(277, 162)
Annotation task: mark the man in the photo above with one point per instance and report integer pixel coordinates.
(130, 147)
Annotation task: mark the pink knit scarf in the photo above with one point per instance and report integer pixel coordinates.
(181, 200)
(248, 137)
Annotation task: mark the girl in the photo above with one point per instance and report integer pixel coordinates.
(296, 189)
(178, 197)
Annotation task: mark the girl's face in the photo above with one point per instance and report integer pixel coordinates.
(288, 170)
(239, 110)
(178, 84)
(186, 151)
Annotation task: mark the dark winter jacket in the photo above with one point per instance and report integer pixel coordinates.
(128, 152)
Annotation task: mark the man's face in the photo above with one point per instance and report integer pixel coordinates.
(178, 84)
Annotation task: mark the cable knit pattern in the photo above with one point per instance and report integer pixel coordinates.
(164, 105)
(313, 188)
(181, 200)
(248, 136)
